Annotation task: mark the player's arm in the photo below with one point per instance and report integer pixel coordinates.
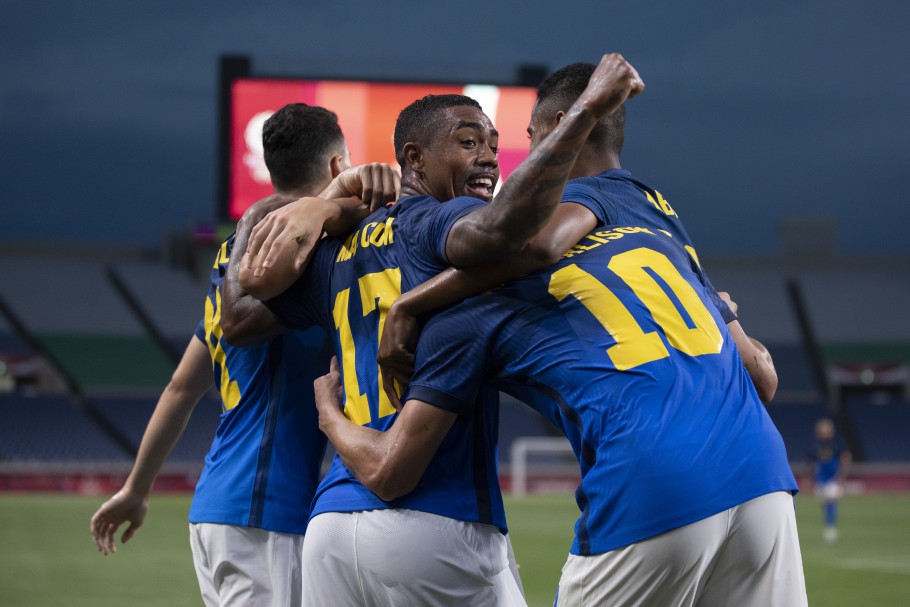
(532, 193)
(307, 219)
(755, 356)
(244, 319)
(568, 225)
(280, 245)
(375, 184)
(390, 463)
(190, 381)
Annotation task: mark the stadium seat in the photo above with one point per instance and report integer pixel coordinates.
(767, 314)
(52, 429)
(73, 311)
(170, 298)
(796, 423)
(882, 429)
(859, 315)
(130, 416)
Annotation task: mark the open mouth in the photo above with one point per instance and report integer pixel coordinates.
(481, 187)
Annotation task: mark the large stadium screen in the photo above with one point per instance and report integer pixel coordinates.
(366, 112)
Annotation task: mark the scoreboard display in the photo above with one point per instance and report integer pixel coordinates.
(366, 113)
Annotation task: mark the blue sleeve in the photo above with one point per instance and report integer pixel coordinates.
(450, 362)
(591, 199)
(724, 309)
(725, 312)
(304, 303)
(200, 332)
(438, 223)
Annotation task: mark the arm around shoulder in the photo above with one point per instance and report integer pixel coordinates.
(245, 321)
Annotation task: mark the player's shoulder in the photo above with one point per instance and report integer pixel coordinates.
(607, 184)
(423, 220)
(425, 204)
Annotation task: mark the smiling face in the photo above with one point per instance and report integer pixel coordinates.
(461, 160)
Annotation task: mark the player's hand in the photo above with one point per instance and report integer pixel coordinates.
(614, 80)
(396, 352)
(285, 236)
(726, 297)
(328, 391)
(122, 507)
(376, 184)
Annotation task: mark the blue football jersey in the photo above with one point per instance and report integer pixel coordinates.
(826, 457)
(264, 464)
(348, 288)
(619, 345)
(617, 198)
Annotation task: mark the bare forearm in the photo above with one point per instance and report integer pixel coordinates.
(342, 215)
(296, 231)
(757, 361)
(363, 450)
(190, 382)
(390, 463)
(165, 428)
(244, 319)
(453, 285)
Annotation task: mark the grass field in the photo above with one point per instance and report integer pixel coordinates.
(47, 558)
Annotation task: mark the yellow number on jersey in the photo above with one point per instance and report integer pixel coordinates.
(634, 346)
(230, 392)
(377, 290)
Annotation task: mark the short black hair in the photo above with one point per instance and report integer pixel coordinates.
(296, 142)
(560, 90)
(419, 121)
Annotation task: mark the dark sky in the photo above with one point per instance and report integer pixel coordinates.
(754, 112)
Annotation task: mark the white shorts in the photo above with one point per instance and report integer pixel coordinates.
(829, 491)
(243, 566)
(747, 556)
(405, 557)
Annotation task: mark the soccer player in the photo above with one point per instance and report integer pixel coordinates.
(600, 192)
(442, 542)
(831, 462)
(250, 508)
(685, 496)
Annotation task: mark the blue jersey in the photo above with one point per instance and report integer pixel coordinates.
(826, 457)
(619, 345)
(348, 288)
(617, 198)
(264, 464)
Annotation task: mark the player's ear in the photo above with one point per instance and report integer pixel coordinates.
(337, 165)
(413, 156)
(559, 116)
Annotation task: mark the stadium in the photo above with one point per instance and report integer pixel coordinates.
(130, 159)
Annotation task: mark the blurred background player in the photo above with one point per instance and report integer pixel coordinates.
(251, 504)
(830, 462)
(448, 526)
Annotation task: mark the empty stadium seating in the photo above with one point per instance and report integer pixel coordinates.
(130, 415)
(882, 429)
(52, 429)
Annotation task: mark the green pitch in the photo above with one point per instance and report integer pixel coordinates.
(47, 557)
